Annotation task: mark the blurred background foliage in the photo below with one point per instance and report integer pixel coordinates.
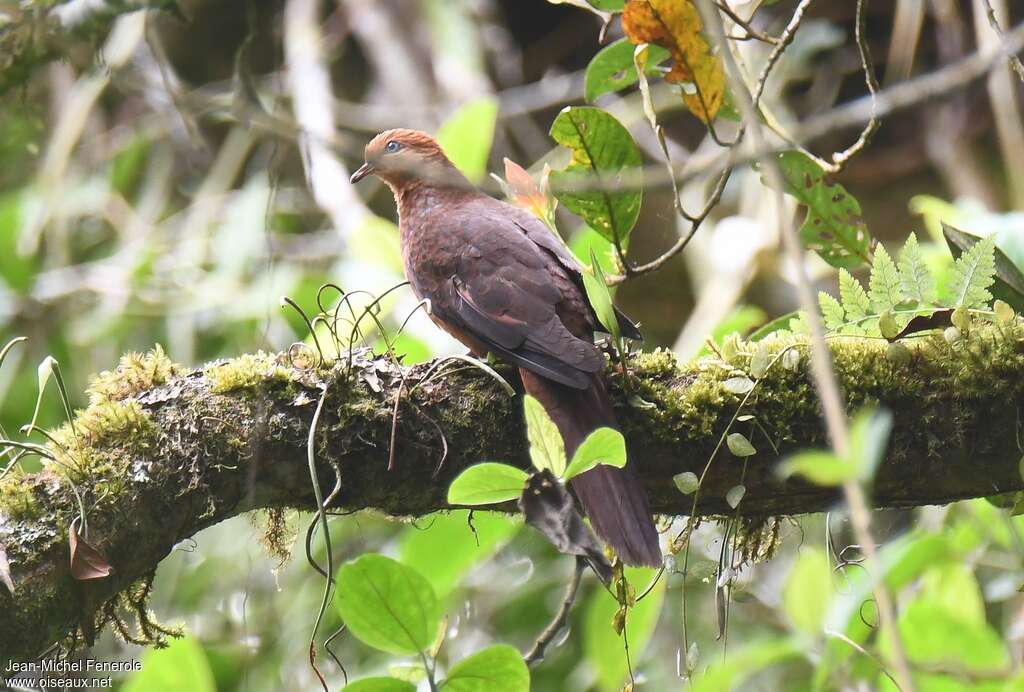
(168, 193)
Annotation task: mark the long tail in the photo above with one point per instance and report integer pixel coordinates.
(613, 498)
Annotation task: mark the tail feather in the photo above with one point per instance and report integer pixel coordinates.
(613, 498)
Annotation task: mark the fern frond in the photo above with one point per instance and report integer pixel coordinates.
(832, 311)
(916, 282)
(884, 284)
(972, 274)
(855, 300)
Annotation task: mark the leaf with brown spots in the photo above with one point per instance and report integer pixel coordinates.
(675, 25)
(834, 227)
(86, 561)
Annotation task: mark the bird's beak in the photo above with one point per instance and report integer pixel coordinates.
(363, 171)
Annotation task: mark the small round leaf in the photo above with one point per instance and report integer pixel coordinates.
(739, 445)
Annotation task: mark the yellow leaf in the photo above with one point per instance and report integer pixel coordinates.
(675, 25)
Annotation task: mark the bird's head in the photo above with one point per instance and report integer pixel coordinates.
(397, 156)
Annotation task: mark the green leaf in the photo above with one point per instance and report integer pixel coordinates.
(17, 270)
(467, 134)
(808, 590)
(602, 646)
(738, 385)
(834, 227)
(181, 666)
(387, 605)
(547, 449)
(916, 282)
(739, 445)
(600, 297)
(1004, 313)
(612, 69)
(933, 635)
(973, 273)
(735, 495)
(607, 5)
(602, 150)
(888, 327)
(380, 684)
(832, 311)
(884, 283)
(759, 361)
(498, 668)
(450, 545)
(1009, 281)
(602, 446)
(687, 482)
(855, 300)
(819, 467)
(487, 484)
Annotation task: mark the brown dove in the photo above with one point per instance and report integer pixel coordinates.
(501, 282)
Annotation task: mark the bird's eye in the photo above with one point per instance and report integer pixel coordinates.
(392, 146)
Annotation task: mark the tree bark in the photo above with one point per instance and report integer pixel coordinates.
(161, 453)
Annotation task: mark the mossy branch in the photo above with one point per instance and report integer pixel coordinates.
(162, 453)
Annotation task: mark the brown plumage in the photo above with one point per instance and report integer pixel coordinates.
(499, 281)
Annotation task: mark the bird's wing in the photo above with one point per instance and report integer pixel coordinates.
(544, 238)
(503, 293)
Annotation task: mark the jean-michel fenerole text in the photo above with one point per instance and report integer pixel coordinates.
(86, 665)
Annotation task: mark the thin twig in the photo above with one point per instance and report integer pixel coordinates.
(1014, 61)
(839, 159)
(536, 653)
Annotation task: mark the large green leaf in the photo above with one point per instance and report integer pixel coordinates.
(449, 544)
(602, 150)
(487, 484)
(834, 227)
(467, 134)
(497, 668)
(387, 605)
(612, 69)
(181, 666)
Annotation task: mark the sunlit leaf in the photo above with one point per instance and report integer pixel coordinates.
(602, 446)
(547, 449)
(387, 605)
(467, 134)
(819, 467)
(612, 69)
(676, 26)
(831, 311)
(181, 666)
(739, 445)
(738, 385)
(687, 482)
(973, 273)
(734, 495)
(855, 300)
(916, 282)
(487, 484)
(602, 150)
(884, 283)
(834, 227)
(498, 668)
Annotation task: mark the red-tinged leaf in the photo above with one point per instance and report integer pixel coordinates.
(5, 570)
(525, 190)
(86, 561)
